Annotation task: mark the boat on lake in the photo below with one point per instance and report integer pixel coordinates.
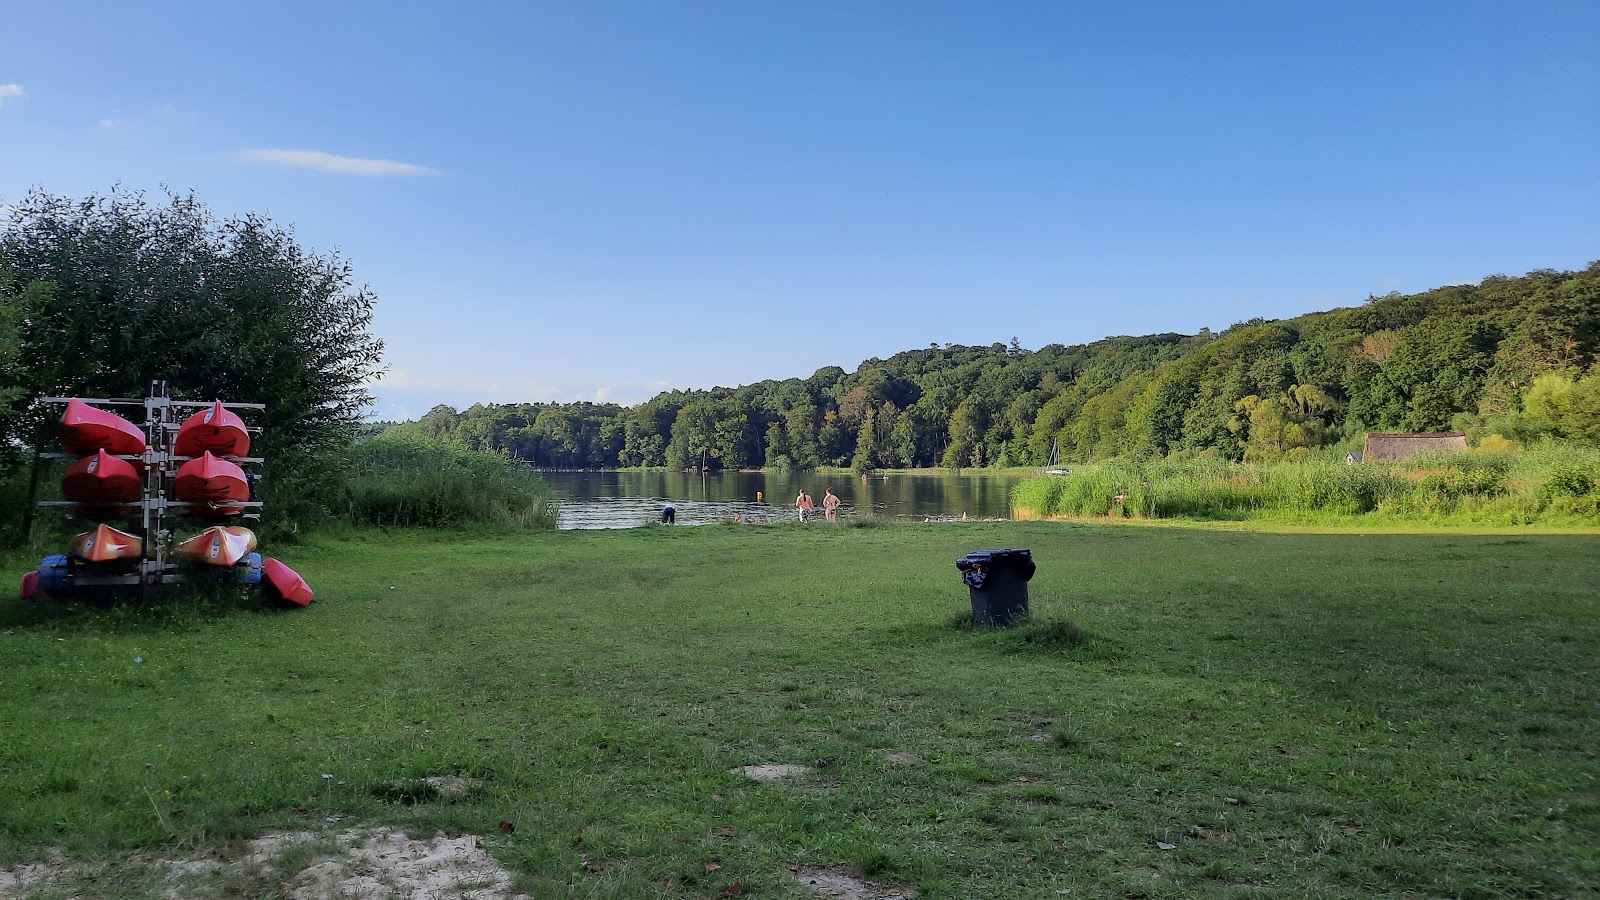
(213, 430)
(213, 484)
(102, 478)
(1054, 466)
(85, 429)
(106, 544)
(219, 545)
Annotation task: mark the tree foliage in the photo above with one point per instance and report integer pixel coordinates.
(1459, 355)
(101, 296)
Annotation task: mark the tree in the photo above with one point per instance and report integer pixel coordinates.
(1566, 405)
(230, 309)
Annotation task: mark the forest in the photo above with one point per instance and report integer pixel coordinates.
(1510, 360)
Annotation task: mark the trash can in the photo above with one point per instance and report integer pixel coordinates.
(998, 582)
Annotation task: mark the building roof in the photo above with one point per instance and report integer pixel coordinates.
(1390, 446)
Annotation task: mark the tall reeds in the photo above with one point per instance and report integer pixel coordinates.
(1518, 487)
(407, 482)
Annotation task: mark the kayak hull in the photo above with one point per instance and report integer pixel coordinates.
(102, 478)
(85, 429)
(217, 546)
(213, 483)
(284, 584)
(30, 585)
(106, 545)
(214, 430)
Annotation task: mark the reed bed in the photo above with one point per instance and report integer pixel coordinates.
(406, 482)
(1554, 485)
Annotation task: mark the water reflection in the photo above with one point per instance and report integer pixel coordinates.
(631, 499)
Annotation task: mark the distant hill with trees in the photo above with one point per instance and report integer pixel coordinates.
(1509, 356)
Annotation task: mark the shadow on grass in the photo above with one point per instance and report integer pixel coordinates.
(1037, 633)
(123, 610)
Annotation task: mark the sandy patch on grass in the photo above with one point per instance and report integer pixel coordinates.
(450, 786)
(381, 864)
(771, 771)
(844, 884)
(905, 759)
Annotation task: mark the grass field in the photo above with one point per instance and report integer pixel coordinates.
(1233, 714)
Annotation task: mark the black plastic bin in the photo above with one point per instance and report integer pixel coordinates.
(998, 582)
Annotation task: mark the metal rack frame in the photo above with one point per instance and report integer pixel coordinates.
(156, 510)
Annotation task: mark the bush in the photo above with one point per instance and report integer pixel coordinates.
(408, 482)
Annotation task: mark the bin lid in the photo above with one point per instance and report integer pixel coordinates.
(990, 557)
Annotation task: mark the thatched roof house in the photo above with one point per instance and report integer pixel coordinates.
(1381, 446)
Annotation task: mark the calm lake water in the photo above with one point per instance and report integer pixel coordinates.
(630, 499)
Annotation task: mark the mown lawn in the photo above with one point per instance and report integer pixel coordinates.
(1249, 714)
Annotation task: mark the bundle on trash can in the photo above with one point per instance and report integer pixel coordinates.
(998, 583)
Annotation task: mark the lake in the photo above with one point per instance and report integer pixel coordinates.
(630, 499)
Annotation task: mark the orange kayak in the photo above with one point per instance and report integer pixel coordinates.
(216, 430)
(284, 584)
(85, 429)
(211, 480)
(217, 546)
(106, 544)
(102, 478)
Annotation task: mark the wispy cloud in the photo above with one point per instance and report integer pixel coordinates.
(7, 91)
(328, 162)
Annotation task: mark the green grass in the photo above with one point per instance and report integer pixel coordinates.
(1292, 714)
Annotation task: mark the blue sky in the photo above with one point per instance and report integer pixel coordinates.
(603, 200)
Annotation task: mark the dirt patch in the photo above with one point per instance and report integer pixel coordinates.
(905, 759)
(355, 865)
(848, 885)
(772, 771)
(450, 786)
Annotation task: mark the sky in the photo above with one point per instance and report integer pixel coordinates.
(604, 200)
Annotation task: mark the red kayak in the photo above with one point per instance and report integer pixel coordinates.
(216, 430)
(102, 478)
(106, 544)
(213, 481)
(284, 584)
(217, 546)
(30, 585)
(85, 429)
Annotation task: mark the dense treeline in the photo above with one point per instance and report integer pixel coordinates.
(1508, 356)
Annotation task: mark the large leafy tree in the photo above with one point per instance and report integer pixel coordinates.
(122, 290)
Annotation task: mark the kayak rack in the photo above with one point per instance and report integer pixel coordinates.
(156, 511)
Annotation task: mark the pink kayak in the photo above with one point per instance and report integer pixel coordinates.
(215, 430)
(102, 478)
(30, 585)
(284, 584)
(85, 429)
(213, 483)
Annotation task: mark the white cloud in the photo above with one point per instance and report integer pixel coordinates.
(11, 90)
(328, 162)
(109, 123)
